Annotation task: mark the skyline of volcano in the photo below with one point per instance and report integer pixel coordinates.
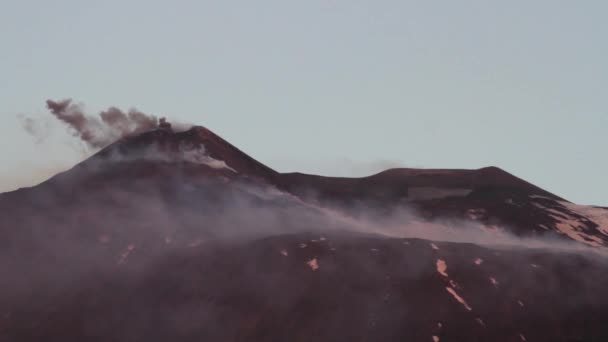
(112, 123)
(489, 194)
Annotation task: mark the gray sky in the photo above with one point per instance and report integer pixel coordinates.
(331, 87)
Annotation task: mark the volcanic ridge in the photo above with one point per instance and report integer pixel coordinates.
(167, 235)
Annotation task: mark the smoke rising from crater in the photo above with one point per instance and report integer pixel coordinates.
(109, 126)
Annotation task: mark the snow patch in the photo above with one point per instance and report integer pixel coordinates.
(284, 252)
(313, 264)
(520, 303)
(435, 338)
(476, 214)
(478, 261)
(125, 254)
(480, 321)
(195, 243)
(569, 221)
(597, 215)
(303, 245)
(522, 337)
(442, 267)
(434, 246)
(490, 228)
(494, 281)
(458, 298)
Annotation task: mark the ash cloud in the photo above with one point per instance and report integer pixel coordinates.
(105, 128)
(39, 129)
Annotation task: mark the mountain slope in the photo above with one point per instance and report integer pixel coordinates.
(331, 287)
(183, 237)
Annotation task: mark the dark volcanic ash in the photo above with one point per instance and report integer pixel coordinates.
(109, 126)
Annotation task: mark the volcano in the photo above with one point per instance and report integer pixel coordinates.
(181, 236)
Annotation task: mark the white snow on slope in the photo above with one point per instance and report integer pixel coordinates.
(313, 264)
(596, 215)
(478, 261)
(124, 255)
(195, 243)
(458, 298)
(569, 223)
(442, 267)
(476, 214)
(434, 246)
(435, 338)
(490, 228)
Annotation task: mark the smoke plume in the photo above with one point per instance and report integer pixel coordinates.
(39, 129)
(109, 126)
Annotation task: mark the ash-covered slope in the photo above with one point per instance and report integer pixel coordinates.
(152, 164)
(329, 287)
(195, 152)
(180, 236)
(414, 184)
(161, 159)
(197, 145)
(489, 196)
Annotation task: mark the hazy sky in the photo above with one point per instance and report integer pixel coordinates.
(331, 87)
